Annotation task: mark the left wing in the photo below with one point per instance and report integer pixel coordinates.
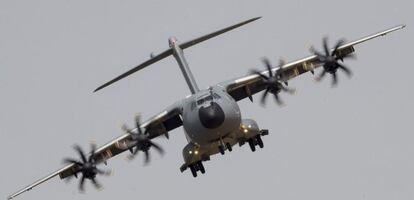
(156, 126)
(249, 85)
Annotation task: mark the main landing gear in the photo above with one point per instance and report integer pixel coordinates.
(198, 166)
(257, 140)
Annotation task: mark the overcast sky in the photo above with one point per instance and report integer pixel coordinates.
(350, 142)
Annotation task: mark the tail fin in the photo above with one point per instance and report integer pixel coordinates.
(169, 51)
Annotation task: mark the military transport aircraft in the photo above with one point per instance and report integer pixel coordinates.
(211, 118)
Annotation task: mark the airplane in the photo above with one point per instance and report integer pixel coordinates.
(211, 118)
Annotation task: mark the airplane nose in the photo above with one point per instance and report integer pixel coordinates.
(212, 116)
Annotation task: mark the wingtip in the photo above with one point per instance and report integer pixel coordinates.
(97, 89)
(256, 18)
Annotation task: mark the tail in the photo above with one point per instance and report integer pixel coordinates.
(169, 52)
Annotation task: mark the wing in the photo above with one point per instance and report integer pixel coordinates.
(246, 86)
(156, 126)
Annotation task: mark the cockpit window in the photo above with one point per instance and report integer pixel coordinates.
(208, 98)
(205, 99)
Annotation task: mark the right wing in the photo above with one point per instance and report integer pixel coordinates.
(156, 126)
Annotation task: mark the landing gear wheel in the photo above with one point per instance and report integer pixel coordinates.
(252, 145)
(259, 141)
(201, 167)
(228, 146)
(193, 171)
(221, 149)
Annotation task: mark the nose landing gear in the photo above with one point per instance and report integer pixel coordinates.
(223, 146)
(198, 166)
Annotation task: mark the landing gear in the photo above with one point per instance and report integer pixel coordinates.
(223, 146)
(257, 140)
(201, 167)
(228, 146)
(198, 166)
(221, 149)
(252, 144)
(193, 171)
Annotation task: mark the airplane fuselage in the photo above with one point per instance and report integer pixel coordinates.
(211, 118)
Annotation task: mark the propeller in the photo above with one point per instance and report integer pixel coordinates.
(86, 166)
(273, 82)
(140, 140)
(330, 61)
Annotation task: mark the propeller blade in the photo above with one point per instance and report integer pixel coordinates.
(259, 74)
(95, 183)
(345, 69)
(104, 172)
(338, 44)
(137, 124)
(157, 147)
(321, 75)
(268, 66)
(93, 149)
(82, 184)
(263, 99)
(126, 129)
(278, 101)
(72, 161)
(325, 46)
(147, 157)
(317, 53)
(334, 79)
(288, 90)
(82, 155)
(281, 62)
(135, 151)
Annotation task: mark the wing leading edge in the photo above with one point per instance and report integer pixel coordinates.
(246, 86)
(156, 126)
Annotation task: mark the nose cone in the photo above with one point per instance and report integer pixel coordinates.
(212, 116)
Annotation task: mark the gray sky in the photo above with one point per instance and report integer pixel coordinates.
(353, 142)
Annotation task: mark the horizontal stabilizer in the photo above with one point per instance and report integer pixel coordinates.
(137, 68)
(214, 34)
(169, 52)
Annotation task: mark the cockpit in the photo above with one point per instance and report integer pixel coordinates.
(206, 99)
